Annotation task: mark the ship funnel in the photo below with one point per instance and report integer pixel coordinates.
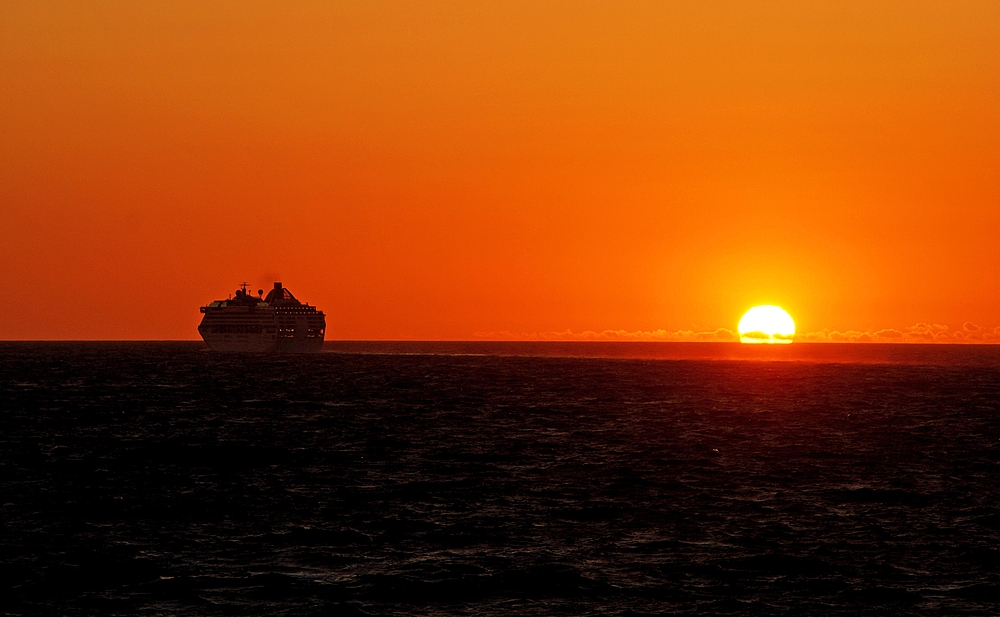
(277, 286)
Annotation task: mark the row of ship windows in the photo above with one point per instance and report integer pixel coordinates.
(264, 322)
(286, 324)
(239, 329)
(247, 329)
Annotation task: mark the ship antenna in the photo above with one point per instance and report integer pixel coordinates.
(243, 286)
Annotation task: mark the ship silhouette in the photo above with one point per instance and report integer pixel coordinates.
(258, 324)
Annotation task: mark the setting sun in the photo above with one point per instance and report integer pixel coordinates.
(766, 324)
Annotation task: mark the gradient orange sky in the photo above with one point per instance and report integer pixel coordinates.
(446, 170)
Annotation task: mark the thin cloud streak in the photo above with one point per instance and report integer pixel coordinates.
(919, 333)
(970, 333)
(722, 335)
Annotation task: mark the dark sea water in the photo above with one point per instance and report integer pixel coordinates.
(499, 479)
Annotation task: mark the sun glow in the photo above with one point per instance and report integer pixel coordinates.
(766, 324)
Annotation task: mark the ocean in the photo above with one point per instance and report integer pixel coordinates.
(500, 479)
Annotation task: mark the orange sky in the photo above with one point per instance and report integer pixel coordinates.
(444, 170)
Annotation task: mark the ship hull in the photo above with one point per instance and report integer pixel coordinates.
(260, 344)
(239, 343)
(284, 331)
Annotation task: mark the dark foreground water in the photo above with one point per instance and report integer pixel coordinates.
(148, 478)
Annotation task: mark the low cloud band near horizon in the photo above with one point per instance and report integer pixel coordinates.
(918, 333)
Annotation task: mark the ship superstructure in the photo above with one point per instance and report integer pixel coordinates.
(276, 323)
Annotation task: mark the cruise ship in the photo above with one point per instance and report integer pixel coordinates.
(258, 324)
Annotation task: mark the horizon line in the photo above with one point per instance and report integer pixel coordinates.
(964, 343)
